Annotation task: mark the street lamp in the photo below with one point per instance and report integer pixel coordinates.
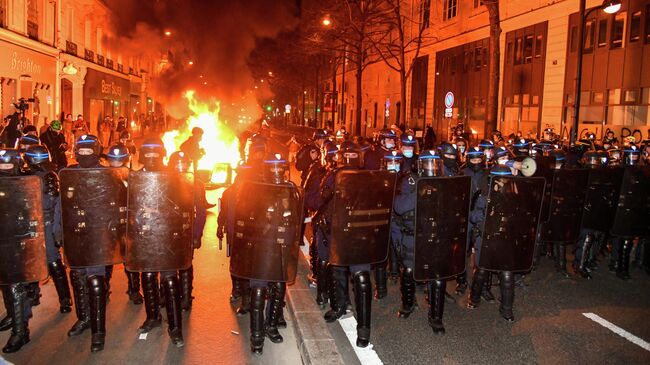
(168, 33)
(327, 21)
(609, 7)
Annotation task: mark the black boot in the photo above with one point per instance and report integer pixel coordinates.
(81, 305)
(623, 267)
(133, 291)
(19, 332)
(236, 292)
(257, 296)
(338, 292)
(98, 291)
(60, 279)
(381, 281)
(461, 283)
(407, 288)
(478, 281)
(274, 309)
(34, 294)
(486, 292)
(151, 302)
(393, 264)
(7, 322)
(322, 284)
(186, 278)
(245, 305)
(583, 270)
(363, 302)
(107, 279)
(437, 305)
(507, 283)
(173, 307)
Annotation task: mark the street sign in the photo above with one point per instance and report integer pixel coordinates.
(449, 112)
(449, 100)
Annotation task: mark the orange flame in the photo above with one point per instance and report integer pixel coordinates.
(219, 142)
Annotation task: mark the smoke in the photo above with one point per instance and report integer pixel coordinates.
(216, 35)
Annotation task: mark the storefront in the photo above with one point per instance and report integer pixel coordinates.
(30, 74)
(105, 95)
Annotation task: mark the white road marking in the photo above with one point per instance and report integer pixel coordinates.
(618, 330)
(367, 355)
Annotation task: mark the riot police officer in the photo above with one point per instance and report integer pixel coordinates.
(305, 157)
(487, 146)
(16, 300)
(348, 158)
(151, 157)
(119, 155)
(89, 285)
(408, 144)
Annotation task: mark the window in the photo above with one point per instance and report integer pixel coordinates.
(528, 49)
(614, 97)
(597, 97)
(478, 58)
(450, 9)
(635, 26)
(32, 19)
(478, 3)
(589, 36)
(602, 33)
(630, 96)
(425, 13)
(539, 45)
(509, 53)
(518, 50)
(645, 95)
(574, 38)
(618, 30)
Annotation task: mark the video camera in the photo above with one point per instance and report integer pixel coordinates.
(22, 105)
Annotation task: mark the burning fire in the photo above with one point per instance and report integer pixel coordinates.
(219, 142)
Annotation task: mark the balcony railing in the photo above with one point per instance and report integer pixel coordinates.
(89, 55)
(100, 60)
(120, 68)
(109, 64)
(32, 30)
(71, 48)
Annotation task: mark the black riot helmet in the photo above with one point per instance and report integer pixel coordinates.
(349, 155)
(329, 154)
(487, 146)
(118, 155)
(500, 170)
(152, 153)
(429, 164)
(408, 142)
(37, 157)
(179, 161)
(25, 141)
(560, 157)
(614, 156)
(475, 158)
(632, 155)
(521, 147)
(87, 150)
(449, 155)
(501, 154)
(389, 134)
(319, 134)
(10, 162)
(392, 161)
(592, 159)
(276, 169)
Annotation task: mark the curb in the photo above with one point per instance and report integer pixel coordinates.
(315, 343)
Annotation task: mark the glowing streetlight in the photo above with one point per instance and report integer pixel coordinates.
(271, 73)
(168, 33)
(205, 82)
(327, 22)
(190, 63)
(611, 6)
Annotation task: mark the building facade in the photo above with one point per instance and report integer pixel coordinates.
(537, 67)
(54, 54)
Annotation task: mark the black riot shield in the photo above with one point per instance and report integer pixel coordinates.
(546, 169)
(567, 202)
(266, 242)
(362, 206)
(93, 215)
(511, 218)
(160, 218)
(633, 210)
(441, 215)
(22, 236)
(601, 198)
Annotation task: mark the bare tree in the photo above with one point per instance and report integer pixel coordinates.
(407, 34)
(492, 107)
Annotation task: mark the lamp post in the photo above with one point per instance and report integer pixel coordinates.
(610, 7)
